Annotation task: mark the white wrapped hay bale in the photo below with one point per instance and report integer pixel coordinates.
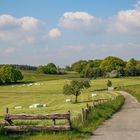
(93, 94)
(68, 100)
(110, 88)
(37, 105)
(44, 105)
(18, 107)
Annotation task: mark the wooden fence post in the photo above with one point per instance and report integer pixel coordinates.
(7, 110)
(83, 114)
(54, 122)
(69, 120)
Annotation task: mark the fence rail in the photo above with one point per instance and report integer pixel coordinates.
(10, 126)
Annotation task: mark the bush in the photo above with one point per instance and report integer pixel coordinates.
(109, 83)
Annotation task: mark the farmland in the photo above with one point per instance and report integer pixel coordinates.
(44, 89)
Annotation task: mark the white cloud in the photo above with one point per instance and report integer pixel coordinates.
(54, 33)
(25, 23)
(126, 21)
(20, 31)
(29, 23)
(78, 20)
(6, 20)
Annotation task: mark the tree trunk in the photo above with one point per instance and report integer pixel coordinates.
(76, 97)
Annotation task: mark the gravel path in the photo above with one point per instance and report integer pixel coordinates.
(124, 125)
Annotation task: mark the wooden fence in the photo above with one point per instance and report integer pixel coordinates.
(89, 108)
(11, 127)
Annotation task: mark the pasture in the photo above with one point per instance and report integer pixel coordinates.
(48, 90)
(51, 93)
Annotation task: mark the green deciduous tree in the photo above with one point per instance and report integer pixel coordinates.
(75, 87)
(91, 73)
(138, 68)
(9, 74)
(48, 69)
(132, 71)
(112, 63)
(78, 66)
(131, 63)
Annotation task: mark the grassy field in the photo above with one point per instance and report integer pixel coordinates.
(134, 90)
(33, 76)
(48, 92)
(81, 130)
(47, 89)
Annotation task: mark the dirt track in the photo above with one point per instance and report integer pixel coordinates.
(124, 125)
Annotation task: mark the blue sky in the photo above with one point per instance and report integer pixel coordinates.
(37, 32)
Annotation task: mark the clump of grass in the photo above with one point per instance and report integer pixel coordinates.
(2, 131)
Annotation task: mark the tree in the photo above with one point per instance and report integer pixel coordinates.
(9, 74)
(41, 69)
(51, 69)
(131, 63)
(68, 68)
(75, 87)
(109, 83)
(94, 63)
(78, 66)
(138, 68)
(48, 69)
(91, 73)
(17, 75)
(132, 71)
(112, 63)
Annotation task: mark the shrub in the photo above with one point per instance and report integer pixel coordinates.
(109, 83)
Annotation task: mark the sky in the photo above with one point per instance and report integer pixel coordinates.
(37, 32)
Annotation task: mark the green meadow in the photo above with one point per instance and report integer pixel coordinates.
(46, 89)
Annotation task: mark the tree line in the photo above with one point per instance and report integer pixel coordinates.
(109, 67)
(22, 67)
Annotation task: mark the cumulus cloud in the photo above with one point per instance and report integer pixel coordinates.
(126, 21)
(54, 33)
(20, 31)
(25, 23)
(78, 20)
(29, 23)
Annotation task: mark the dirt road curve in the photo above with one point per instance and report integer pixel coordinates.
(124, 125)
